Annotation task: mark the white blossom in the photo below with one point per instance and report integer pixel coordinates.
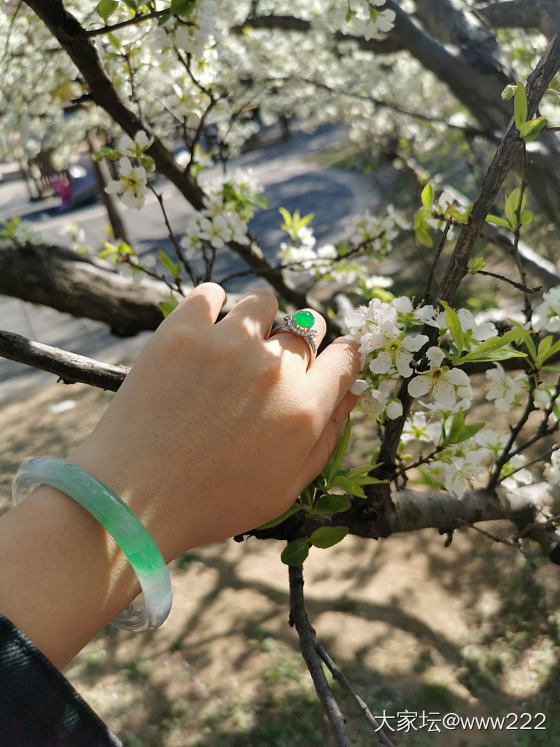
(444, 384)
(504, 389)
(131, 184)
(135, 148)
(463, 465)
(419, 428)
(547, 314)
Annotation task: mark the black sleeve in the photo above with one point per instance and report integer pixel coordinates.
(38, 706)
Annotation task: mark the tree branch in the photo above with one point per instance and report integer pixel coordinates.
(129, 22)
(543, 15)
(69, 367)
(298, 617)
(362, 705)
(504, 158)
(73, 283)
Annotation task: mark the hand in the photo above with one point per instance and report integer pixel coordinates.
(218, 428)
(215, 430)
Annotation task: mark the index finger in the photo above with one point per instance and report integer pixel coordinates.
(201, 306)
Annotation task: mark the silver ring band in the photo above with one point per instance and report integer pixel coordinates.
(302, 324)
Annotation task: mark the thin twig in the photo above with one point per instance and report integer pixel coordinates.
(436, 259)
(467, 130)
(129, 22)
(298, 617)
(519, 286)
(338, 675)
(180, 256)
(508, 452)
(533, 461)
(494, 537)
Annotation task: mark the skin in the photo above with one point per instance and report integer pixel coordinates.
(215, 430)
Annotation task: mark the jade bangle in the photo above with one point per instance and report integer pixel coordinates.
(115, 516)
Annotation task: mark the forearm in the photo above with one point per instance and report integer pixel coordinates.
(63, 578)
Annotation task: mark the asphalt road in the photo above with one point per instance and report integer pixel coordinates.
(292, 178)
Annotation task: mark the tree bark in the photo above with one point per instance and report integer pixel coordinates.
(543, 15)
(103, 177)
(60, 278)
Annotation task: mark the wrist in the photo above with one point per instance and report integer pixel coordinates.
(63, 577)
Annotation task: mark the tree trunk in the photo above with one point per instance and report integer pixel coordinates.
(103, 177)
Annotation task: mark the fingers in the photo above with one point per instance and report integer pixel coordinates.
(332, 374)
(326, 444)
(254, 313)
(286, 340)
(201, 306)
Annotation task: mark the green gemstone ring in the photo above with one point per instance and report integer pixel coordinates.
(301, 323)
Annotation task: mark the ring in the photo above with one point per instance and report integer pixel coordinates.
(301, 323)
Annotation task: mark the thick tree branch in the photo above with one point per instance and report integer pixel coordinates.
(69, 367)
(543, 15)
(291, 23)
(72, 283)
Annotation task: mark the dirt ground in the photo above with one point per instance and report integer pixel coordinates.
(471, 629)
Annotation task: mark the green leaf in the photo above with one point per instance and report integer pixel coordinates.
(105, 8)
(173, 267)
(348, 485)
(147, 162)
(525, 217)
(494, 344)
(455, 213)
(530, 345)
(124, 248)
(286, 515)
(477, 265)
(182, 7)
(498, 221)
(256, 201)
(166, 307)
(520, 105)
(503, 354)
(421, 227)
(548, 350)
(331, 504)
(530, 131)
(509, 92)
(342, 446)
(512, 205)
(457, 425)
(109, 249)
(454, 326)
(427, 196)
(468, 432)
(328, 536)
(295, 552)
(132, 4)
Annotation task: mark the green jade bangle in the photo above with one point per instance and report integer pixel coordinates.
(125, 528)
